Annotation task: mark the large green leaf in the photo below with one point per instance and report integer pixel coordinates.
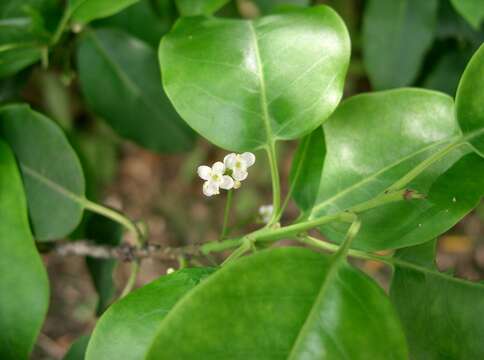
(452, 196)
(130, 97)
(199, 7)
(396, 36)
(84, 11)
(51, 171)
(307, 166)
(372, 140)
(227, 81)
(286, 303)
(128, 327)
(471, 10)
(23, 33)
(470, 101)
(442, 315)
(24, 285)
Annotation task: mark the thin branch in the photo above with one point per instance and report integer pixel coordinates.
(123, 252)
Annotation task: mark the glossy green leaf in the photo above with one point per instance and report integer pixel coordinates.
(24, 285)
(470, 101)
(471, 10)
(227, 81)
(142, 21)
(285, 303)
(128, 327)
(396, 36)
(372, 140)
(130, 97)
(106, 232)
(452, 196)
(23, 33)
(77, 351)
(199, 7)
(442, 315)
(84, 11)
(51, 171)
(306, 169)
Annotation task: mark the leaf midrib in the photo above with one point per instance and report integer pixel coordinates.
(332, 270)
(53, 185)
(262, 84)
(375, 175)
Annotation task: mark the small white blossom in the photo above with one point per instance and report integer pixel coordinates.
(214, 178)
(170, 271)
(265, 212)
(239, 163)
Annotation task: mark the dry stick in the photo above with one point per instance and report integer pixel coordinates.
(123, 252)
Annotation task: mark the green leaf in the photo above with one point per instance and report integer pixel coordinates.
(372, 140)
(442, 315)
(130, 97)
(227, 81)
(23, 33)
(199, 7)
(106, 232)
(470, 101)
(447, 71)
(471, 10)
(84, 11)
(24, 285)
(52, 174)
(271, 6)
(77, 350)
(307, 165)
(141, 21)
(396, 36)
(285, 303)
(127, 328)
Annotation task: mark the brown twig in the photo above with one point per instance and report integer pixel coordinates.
(123, 252)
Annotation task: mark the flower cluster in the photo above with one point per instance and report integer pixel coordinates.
(227, 174)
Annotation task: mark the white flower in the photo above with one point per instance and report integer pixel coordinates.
(265, 212)
(215, 179)
(170, 271)
(239, 164)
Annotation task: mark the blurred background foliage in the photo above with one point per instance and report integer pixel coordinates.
(100, 82)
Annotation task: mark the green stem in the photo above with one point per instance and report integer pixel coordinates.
(228, 204)
(128, 224)
(294, 230)
(115, 216)
(276, 183)
(389, 260)
(416, 171)
(135, 265)
(62, 25)
(295, 178)
(350, 235)
(245, 246)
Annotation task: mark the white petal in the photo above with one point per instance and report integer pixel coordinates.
(249, 158)
(209, 188)
(239, 174)
(229, 160)
(218, 168)
(227, 182)
(204, 172)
